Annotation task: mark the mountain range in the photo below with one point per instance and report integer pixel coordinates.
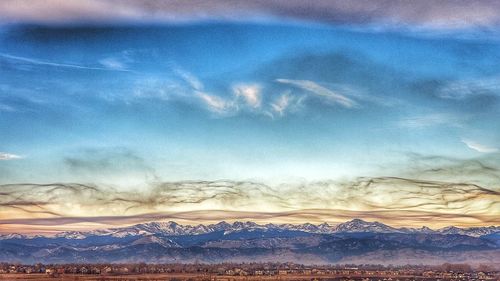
(355, 241)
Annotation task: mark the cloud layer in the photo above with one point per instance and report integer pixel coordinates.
(428, 14)
(398, 201)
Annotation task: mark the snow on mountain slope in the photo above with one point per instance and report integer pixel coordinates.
(171, 228)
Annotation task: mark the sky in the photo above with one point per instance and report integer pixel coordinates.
(120, 112)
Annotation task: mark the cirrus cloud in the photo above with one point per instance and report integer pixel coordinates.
(9, 156)
(479, 147)
(320, 91)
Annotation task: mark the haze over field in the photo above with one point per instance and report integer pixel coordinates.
(114, 113)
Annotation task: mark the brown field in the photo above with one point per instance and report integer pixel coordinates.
(188, 277)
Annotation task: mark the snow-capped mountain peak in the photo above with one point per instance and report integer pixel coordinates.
(171, 228)
(358, 225)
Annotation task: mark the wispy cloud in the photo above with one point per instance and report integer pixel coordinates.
(320, 91)
(432, 120)
(189, 78)
(216, 104)
(470, 88)
(281, 104)
(286, 103)
(113, 64)
(9, 156)
(479, 147)
(251, 93)
(35, 61)
(241, 96)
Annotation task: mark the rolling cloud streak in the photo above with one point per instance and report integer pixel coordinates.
(387, 199)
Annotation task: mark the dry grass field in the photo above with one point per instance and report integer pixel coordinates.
(187, 277)
(148, 277)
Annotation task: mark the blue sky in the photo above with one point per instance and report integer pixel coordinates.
(240, 101)
(138, 100)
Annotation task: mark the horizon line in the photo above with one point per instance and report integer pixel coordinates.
(258, 224)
